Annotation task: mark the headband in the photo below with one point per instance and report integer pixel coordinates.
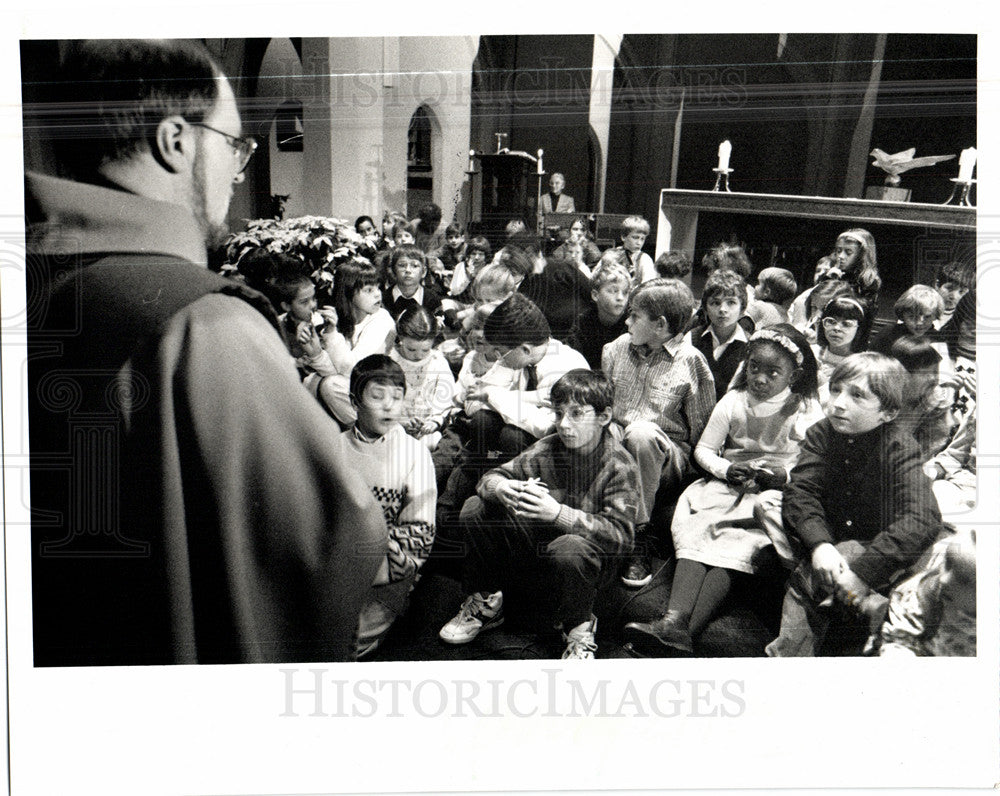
(852, 236)
(786, 343)
(849, 300)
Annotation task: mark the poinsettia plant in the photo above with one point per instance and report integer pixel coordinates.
(321, 243)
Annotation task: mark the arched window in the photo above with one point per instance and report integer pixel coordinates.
(419, 160)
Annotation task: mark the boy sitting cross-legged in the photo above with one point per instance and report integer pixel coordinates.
(664, 394)
(564, 509)
(858, 501)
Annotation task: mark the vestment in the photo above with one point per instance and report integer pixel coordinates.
(711, 524)
(224, 524)
(399, 471)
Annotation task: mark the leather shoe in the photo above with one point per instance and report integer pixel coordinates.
(666, 637)
(638, 571)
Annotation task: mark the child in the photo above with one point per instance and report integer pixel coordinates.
(589, 254)
(477, 254)
(399, 471)
(953, 471)
(604, 320)
(664, 393)
(751, 441)
(843, 330)
(776, 287)
(365, 227)
(560, 290)
(565, 509)
(362, 327)
(454, 249)
(854, 262)
(953, 281)
(730, 257)
(816, 300)
(518, 332)
(407, 269)
(430, 385)
(481, 367)
(934, 612)
(673, 265)
(403, 233)
(722, 340)
(633, 231)
(427, 232)
(916, 311)
(926, 410)
(857, 500)
(300, 322)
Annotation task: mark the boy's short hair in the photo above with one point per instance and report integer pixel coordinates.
(286, 286)
(915, 353)
(495, 282)
(960, 274)
(478, 244)
(776, 285)
(585, 387)
(885, 376)
(728, 255)
(632, 224)
(375, 369)
(670, 299)
(454, 228)
(919, 298)
(673, 264)
(404, 226)
(608, 271)
(517, 320)
(406, 252)
(724, 283)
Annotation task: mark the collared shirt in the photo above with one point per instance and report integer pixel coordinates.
(718, 347)
(671, 386)
(418, 296)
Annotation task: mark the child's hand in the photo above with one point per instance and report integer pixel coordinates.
(426, 427)
(828, 564)
(477, 392)
(305, 334)
(851, 590)
(739, 474)
(509, 493)
(537, 504)
(411, 426)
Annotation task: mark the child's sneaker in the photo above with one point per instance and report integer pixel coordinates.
(479, 612)
(580, 643)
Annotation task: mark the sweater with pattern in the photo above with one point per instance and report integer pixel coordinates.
(598, 492)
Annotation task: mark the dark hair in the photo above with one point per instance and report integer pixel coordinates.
(289, 277)
(776, 285)
(673, 264)
(407, 251)
(377, 369)
(261, 267)
(585, 387)
(117, 91)
(417, 323)
(962, 274)
(361, 219)
(351, 276)
(807, 384)
(725, 283)
(850, 307)
(517, 320)
(525, 242)
(670, 299)
(478, 244)
(915, 353)
(515, 260)
(429, 216)
(454, 228)
(728, 255)
(404, 226)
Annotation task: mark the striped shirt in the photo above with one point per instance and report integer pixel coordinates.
(671, 386)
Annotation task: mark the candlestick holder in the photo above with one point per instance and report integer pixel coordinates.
(722, 178)
(963, 196)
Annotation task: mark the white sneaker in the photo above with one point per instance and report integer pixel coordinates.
(580, 641)
(479, 612)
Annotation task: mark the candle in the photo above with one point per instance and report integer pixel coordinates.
(472, 162)
(966, 163)
(725, 148)
(540, 169)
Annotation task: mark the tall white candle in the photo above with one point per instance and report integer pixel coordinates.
(472, 162)
(540, 169)
(725, 149)
(966, 163)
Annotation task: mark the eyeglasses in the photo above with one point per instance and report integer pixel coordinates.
(576, 414)
(243, 146)
(843, 323)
